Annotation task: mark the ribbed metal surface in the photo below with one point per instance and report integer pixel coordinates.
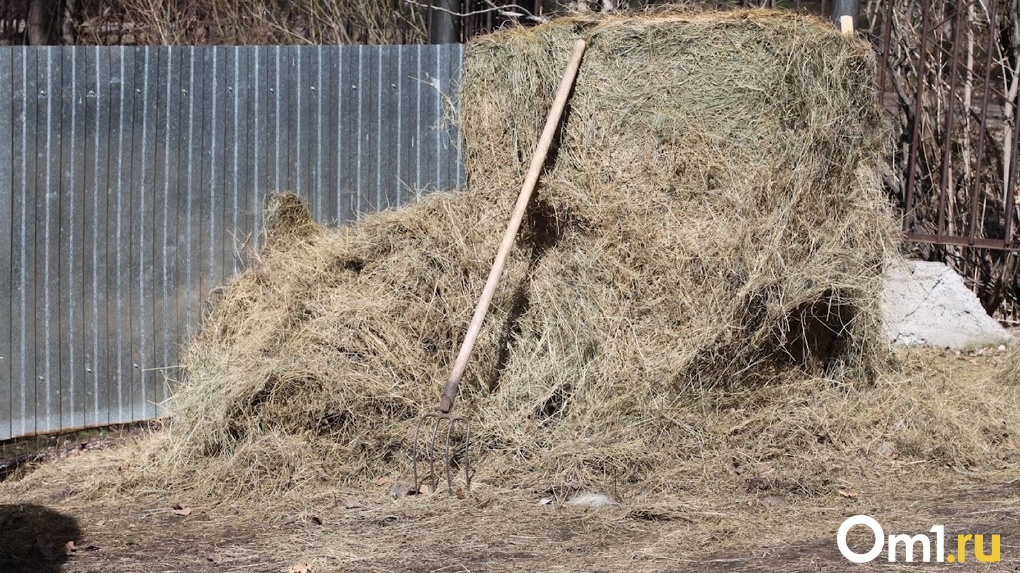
(132, 177)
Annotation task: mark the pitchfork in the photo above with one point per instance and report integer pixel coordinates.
(445, 416)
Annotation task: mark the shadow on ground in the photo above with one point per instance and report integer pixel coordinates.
(34, 538)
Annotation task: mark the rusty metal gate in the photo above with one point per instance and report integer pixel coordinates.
(949, 77)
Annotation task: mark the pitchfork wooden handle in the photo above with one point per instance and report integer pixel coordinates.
(537, 161)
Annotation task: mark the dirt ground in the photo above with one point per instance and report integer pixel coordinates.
(492, 531)
(363, 528)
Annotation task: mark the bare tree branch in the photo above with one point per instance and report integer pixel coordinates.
(502, 10)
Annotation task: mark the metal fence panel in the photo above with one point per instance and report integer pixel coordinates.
(47, 326)
(91, 271)
(23, 238)
(133, 178)
(69, 261)
(6, 228)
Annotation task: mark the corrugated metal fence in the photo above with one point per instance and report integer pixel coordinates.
(131, 177)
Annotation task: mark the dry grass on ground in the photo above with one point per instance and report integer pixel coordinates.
(748, 522)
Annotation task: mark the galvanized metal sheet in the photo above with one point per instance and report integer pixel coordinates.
(133, 177)
(92, 229)
(203, 146)
(73, 159)
(276, 121)
(118, 296)
(367, 185)
(241, 150)
(348, 164)
(305, 104)
(405, 180)
(208, 213)
(227, 142)
(430, 115)
(136, 157)
(189, 229)
(314, 106)
(454, 58)
(7, 155)
(167, 211)
(329, 130)
(387, 109)
(287, 70)
(47, 327)
(27, 274)
(266, 126)
(69, 254)
(145, 382)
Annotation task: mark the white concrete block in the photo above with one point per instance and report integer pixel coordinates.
(928, 304)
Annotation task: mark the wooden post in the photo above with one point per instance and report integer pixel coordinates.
(846, 24)
(846, 8)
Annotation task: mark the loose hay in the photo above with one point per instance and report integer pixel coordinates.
(1009, 371)
(695, 291)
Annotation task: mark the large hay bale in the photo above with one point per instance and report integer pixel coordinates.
(710, 221)
(729, 159)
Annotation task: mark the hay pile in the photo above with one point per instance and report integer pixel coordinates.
(696, 284)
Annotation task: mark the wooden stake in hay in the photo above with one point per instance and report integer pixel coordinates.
(710, 221)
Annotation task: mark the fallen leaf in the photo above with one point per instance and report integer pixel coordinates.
(69, 548)
(385, 480)
(301, 568)
(766, 468)
(459, 492)
(181, 510)
(214, 557)
(848, 493)
(352, 504)
(424, 489)
(289, 519)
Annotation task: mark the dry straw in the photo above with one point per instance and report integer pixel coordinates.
(1009, 370)
(695, 291)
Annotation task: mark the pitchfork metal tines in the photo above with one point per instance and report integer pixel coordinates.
(455, 449)
(452, 386)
